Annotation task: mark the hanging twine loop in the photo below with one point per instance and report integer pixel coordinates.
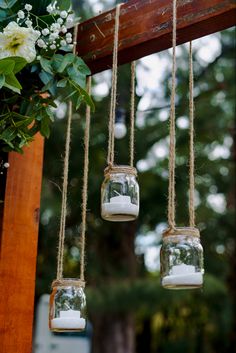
(111, 139)
(171, 189)
(188, 231)
(173, 230)
(85, 184)
(132, 112)
(126, 169)
(68, 282)
(112, 113)
(191, 140)
(60, 281)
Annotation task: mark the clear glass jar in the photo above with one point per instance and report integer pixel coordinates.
(120, 194)
(67, 310)
(181, 259)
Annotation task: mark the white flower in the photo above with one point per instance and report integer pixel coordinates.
(53, 36)
(71, 46)
(55, 27)
(60, 21)
(63, 29)
(63, 14)
(63, 42)
(21, 14)
(68, 35)
(53, 46)
(28, 7)
(45, 31)
(41, 43)
(69, 40)
(28, 23)
(18, 41)
(49, 8)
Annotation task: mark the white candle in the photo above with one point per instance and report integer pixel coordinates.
(68, 320)
(120, 205)
(183, 275)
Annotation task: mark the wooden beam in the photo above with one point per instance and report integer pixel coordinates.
(19, 248)
(146, 27)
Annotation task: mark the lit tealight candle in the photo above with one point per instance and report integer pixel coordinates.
(183, 276)
(68, 320)
(120, 205)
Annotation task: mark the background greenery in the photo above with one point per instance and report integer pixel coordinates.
(123, 295)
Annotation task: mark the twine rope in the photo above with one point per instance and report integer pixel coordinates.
(171, 189)
(61, 243)
(60, 256)
(67, 282)
(188, 231)
(126, 169)
(85, 184)
(132, 112)
(191, 140)
(111, 139)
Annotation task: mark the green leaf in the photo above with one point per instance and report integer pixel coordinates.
(9, 134)
(66, 61)
(76, 76)
(81, 66)
(2, 80)
(44, 127)
(12, 83)
(6, 66)
(64, 4)
(20, 63)
(62, 83)
(7, 4)
(46, 65)
(56, 61)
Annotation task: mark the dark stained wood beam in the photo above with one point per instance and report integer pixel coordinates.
(146, 28)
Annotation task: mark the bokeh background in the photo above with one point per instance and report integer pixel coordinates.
(128, 310)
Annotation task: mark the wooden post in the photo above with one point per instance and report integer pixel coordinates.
(19, 248)
(146, 28)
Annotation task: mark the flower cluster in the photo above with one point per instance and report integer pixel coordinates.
(51, 36)
(37, 67)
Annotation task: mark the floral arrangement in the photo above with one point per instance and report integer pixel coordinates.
(38, 65)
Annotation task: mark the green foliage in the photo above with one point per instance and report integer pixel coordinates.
(28, 90)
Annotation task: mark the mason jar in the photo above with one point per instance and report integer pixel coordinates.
(67, 311)
(120, 194)
(181, 259)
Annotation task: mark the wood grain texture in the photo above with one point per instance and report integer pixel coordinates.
(146, 28)
(19, 248)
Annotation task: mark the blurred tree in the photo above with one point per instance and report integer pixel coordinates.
(124, 299)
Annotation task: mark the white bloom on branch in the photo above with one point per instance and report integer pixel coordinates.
(18, 41)
(28, 7)
(21, 14)
(45, 31)
(28, 23)
(63, 14)
(50, 8)
(41, 43)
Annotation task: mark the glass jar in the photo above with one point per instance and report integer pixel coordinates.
(67, 310)
(181, 259)
(120, 194)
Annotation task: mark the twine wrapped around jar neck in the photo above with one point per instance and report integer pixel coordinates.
(189, 231)
(115, 169)
(68, 282)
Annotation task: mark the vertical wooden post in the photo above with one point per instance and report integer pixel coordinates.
(19, 248)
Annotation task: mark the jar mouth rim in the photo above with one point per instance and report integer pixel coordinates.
(120, 169)
(187, 231)
(68, 282)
